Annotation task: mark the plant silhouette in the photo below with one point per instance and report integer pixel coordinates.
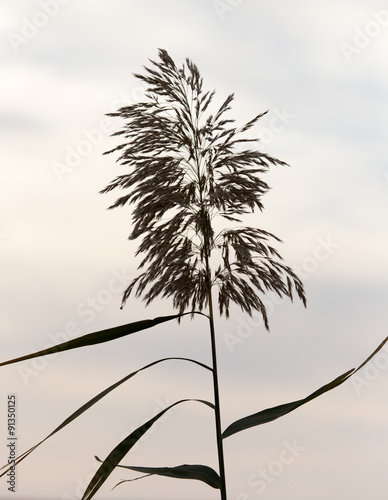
(192, 177)
(188, 168)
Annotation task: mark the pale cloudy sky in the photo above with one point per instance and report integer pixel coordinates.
(321, 70)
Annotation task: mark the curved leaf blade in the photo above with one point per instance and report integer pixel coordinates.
(99, 337)
(271, 414)
(185, 471)
(92, 402)
(118, 453)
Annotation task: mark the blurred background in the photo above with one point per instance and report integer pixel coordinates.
(321, 71)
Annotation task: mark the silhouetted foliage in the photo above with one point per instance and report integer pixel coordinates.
(188, 168)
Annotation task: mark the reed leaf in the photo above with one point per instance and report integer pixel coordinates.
(119, 452)
(185, 471)
(99, 337)
(276, 412)
(92, 402)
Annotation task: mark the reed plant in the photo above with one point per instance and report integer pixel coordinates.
(191, 176)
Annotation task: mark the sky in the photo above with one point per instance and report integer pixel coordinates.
(321, 71)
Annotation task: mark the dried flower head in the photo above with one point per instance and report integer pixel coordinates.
(188, 169)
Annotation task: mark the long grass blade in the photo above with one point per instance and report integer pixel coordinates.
(185, 471)
(99, 337)
(118, 453)
(271, 414)
(89, 404)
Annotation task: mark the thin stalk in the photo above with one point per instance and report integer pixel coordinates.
(207, 250)
(217, 409)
